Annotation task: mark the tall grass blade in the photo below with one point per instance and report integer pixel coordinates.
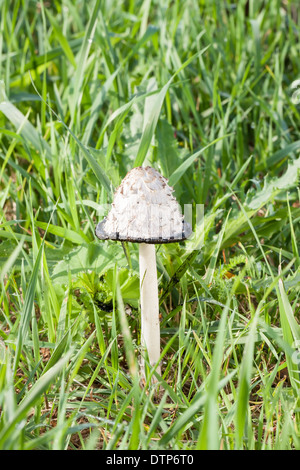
(21, 123)
(291, 335)
(153, 118)
(244, 384)
(27, 308)
(32, 397)
(209, 438)
(75, 91)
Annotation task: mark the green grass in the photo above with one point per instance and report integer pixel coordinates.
(206, 92)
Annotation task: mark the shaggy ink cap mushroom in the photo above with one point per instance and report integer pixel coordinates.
(144, 211)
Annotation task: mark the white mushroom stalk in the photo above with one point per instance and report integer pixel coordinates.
(150, 326)
(144, 211)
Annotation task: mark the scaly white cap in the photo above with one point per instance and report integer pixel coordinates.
(144, 211)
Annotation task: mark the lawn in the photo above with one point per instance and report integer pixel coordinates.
(208, 93)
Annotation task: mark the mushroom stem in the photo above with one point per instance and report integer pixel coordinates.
(150, 326)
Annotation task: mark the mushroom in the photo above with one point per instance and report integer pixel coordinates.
(144, 211)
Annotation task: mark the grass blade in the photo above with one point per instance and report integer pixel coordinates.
(82, 58)
(27, 308)
(209, 436)
(180, 171)
(21, 123)
(60, 36)
(153, 117)
(31, 397)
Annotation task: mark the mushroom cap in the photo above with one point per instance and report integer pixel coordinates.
(144, 211)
